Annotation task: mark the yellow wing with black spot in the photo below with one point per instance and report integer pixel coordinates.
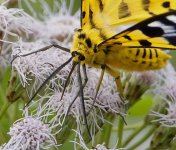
(156, 32)
(104, 14)
(139, 48)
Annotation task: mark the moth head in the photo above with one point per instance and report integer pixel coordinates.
(82, 48)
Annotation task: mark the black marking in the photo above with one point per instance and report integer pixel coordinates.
(171, 40)
(101, 5)
(138, 51)
(88, 42)
(152, 31)
(117, 43)
(166, 4)
(82, 36)
(145, 43)
(150, 53)
(83, 14)
(144, 53)
(135, 61)
(168, 22)
(145, 4)
(102, 35)
(127, 37)
(95, 49)
(123, 10)
(91, 17)
(156, 53)
(142, 27)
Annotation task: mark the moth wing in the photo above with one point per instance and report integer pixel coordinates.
(156, 32)
(102, 14)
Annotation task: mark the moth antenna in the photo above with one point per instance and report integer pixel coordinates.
(47, 79)
(85, 82)
(82, 99)
(69, 75)
(40, 50)
(98, 87)
(85, 75)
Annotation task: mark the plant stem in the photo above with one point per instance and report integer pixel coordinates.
(133, 134)
(108, 130)
(4, 109)
(143, 139)
(120, 132)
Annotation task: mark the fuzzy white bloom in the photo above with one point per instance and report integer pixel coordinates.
(14, 20)
(38, 65)
(30, 133)
(60, 26)
(107, 101)
(168, 93)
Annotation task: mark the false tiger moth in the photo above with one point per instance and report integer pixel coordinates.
(138, 48)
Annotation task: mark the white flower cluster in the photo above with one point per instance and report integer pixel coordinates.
(30, 133)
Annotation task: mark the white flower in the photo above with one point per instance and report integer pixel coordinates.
(167, 92)
(38, 65)
(14, 20)
(30, 133)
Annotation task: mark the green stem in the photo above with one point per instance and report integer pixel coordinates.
(107, 128)
(143, 139)
(4, 109)
(120, 132)
(133, 134)
(108, 131)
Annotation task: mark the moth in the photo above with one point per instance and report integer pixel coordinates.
(138, 48)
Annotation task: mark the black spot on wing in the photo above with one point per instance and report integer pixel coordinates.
(168, 22)
(102, 35)
(166, 4)
(83, 14)
(123, 10)
(152, 31)
(101, 5)
(127, 37)
(145, 4)
(145, 43)
(171, 40)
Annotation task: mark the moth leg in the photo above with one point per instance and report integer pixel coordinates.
(116, 75)
(98, 86)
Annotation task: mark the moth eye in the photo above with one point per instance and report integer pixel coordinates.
(81, 57)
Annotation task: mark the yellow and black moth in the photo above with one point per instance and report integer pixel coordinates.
(138, 48)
